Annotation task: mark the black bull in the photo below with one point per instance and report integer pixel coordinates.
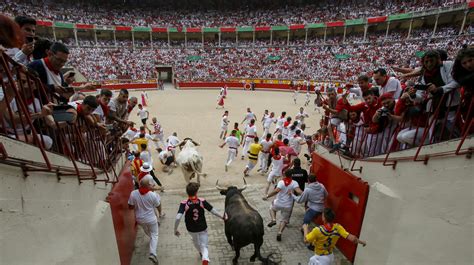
(244, 225)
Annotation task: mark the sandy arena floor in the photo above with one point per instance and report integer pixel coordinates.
(194, 114)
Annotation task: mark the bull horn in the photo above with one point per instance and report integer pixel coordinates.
(244, 187)
(219, 188)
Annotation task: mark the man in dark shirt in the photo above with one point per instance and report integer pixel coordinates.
(193, 211)
(298, 174)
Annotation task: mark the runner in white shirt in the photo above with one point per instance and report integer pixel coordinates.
(297, 141)
(307, 99)
(295, 94)
(267, 144)
(283, 202)
(267, 122)
(157, 133)
(144, 202)
(277, 167)
(173, 141)
(167, 159)
(224, 125)
(265, 115)
(143, 114)
(233, 144)
(249, 133)
(249, 116)
(279, 123)
(300, 116)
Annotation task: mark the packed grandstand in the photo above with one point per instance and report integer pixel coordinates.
(228, 50)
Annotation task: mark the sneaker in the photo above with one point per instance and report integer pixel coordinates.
(278, 237)
(225, 168)
(153, 259)
(272, 223)
(242, 157)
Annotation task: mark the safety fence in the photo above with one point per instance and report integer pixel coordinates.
(26, 115)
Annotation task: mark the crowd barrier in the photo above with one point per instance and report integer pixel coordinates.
(347, 196)
(25, 118)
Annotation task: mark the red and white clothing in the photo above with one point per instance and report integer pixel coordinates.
(173, 142)
(265, 153)
(296, 142)
(279, 123)
(224, 122)
(250, 134)
(101, 112)
(267, 122)
(391, 85)
(158, 134)
(233, 144)
(277, 167)
(300, 116)
(144, 96)
(249, 116)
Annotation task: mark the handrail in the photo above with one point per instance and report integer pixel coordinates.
(28, 123)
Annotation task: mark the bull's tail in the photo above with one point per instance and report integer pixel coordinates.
(271, 259)
(198, 173)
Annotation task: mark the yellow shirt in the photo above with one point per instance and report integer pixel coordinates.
(139, 143)
(254, 149)
(324, 241)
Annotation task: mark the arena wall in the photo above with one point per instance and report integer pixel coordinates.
(46, 221)
(416, 213)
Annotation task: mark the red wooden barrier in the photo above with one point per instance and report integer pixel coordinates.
(348, 197)
(123, 218)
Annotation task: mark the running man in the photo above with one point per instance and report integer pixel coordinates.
(224, 124)
(267, 122)
(233, 144)
(195, 220)
(277, 167)
(325, 237)
(300, 116)
(279, 123)
(157, 133)
(172, 142)
(249, 134)
(143, 114)
(253, 152)
(295, 94)
(248, 117)
(307, 99)
(267, 144)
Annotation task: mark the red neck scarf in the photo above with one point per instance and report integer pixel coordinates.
(79, 109)
(143, 190)
(50, 66)
(193, 198)
(287, 181)
(130, 108)
(328, 227)
(105, 109)
(286, 124)
(141, 175)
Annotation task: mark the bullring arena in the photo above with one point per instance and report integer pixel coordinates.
(194, 114)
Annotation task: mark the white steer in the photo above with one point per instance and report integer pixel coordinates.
(190, 160)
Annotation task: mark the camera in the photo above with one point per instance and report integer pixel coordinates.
(384, 112)
(60, 113)
(30, 39)
(421, 87)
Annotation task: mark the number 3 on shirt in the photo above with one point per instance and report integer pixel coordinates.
(195, 214)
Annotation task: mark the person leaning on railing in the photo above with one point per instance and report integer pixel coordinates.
(463, 73)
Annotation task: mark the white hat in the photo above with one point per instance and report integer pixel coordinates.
(146, 167)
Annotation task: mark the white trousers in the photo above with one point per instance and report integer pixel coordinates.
(247, 143)
(407, 136)
(200, 241)
(263, 160)
(151, 230)
(321, 260)
(250, 165)
(159, 137)
(265, 132)
(231, 156)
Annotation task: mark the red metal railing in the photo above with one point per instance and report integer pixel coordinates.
(442, 124)
(24, 118)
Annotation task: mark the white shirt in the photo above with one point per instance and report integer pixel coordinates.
(143, 113)
(300, 116)
(224, 122)
(393, 86)
(99, 112)
(277, 165)
(295, 143)
(283, 199)
(144, 206)
(163, 155)
(33, 107)
(266, 145)
(280, 122)
(232, 142)
(157, 128)
(250, 132)
(249, 116)
(173, 141)
(268, 121)
(53, 78)
(146, 157)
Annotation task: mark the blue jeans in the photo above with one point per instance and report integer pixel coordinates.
(309, 216)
